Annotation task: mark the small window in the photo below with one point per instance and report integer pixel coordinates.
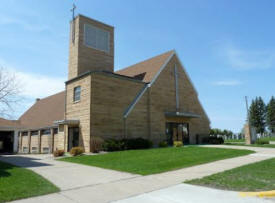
(46, 150)
(34, 133)
(61, 128)
(25, 149)
(46, 132)
(96, 38)
(55, 130)
(77, 91)
(34, 150)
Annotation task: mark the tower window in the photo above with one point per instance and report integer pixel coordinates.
(96, 38)
(77, 92)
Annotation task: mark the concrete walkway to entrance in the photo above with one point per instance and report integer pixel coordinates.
(66, 175)
(81, 183)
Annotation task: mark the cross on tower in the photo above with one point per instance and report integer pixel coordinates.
(72, 10)
(73, 24)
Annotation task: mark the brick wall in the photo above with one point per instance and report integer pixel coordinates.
(163, 96)
(34, 143)
(83, 58)
(25, 142)
(46, 142)
(79, 110)
(110, 98)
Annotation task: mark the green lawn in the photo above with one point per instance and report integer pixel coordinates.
(268, 138)
(233, 140)
(157, 160)
(259, 176)
(18, 183)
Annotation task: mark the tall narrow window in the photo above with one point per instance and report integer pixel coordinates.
(96, 38)
(77, 92)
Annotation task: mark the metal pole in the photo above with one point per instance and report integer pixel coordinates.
(247, 109)
(176, 88)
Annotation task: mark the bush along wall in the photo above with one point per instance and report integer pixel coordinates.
(213, 140)
(126, 144)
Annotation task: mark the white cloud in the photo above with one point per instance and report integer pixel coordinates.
(32, 86)
(227, 83)
(38, 86)
(243, 59)
(35, 85)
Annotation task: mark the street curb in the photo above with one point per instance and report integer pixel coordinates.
(270, 193)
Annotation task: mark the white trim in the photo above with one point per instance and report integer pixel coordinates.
(192, 84)
(137, 98)
(15, 141)
(140, 94)
(161, 68)
(185, 72)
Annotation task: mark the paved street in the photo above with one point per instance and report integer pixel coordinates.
(81, 183)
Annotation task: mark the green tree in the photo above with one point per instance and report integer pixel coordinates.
(270, 115)
(257, 113)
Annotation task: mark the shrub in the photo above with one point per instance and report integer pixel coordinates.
(58, 152)
(96, 144)
(178, 144)
(213, 140)
(261, 142)
(113, 145)
(76, 151)
(124, 144)
(137, 143)
(163, 144)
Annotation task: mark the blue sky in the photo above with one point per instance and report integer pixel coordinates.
(227, 47)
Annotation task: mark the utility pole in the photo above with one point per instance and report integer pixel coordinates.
(248, 134)
(248, 116)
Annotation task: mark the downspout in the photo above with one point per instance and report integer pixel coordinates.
(176, 88)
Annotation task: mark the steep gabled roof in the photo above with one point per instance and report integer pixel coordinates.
(44, 112)
(148, 69)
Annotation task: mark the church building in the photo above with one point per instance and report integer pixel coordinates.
(154, 99)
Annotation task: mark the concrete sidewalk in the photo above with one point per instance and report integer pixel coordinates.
(91, 184)
(66, 175)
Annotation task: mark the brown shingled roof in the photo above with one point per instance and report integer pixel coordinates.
(44, 112)
(9, 123)
(146, 70)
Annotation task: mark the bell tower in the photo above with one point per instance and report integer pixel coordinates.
(91, 46)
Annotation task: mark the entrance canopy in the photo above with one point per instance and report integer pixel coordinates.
(182, 114)
(67, 122)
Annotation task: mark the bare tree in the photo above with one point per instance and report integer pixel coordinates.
(9, 92)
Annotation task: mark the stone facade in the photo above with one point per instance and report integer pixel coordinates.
(80, 110)
(110, 97)
(113, 106)
(105, 98)
(148, 117)
(83, 58)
